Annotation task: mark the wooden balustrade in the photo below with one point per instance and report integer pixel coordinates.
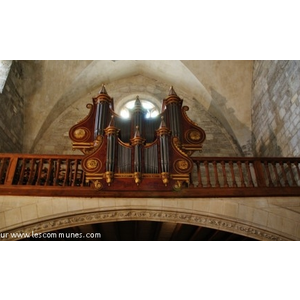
(62, 175)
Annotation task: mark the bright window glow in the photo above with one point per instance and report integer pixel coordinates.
(152, 110)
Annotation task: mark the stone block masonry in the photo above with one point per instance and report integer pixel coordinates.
(12, 112)
(276, 108)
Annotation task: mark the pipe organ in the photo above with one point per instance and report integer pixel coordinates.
(137, 153)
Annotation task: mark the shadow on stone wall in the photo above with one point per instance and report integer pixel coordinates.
(12, 111)
(223, 114)
(270, 148)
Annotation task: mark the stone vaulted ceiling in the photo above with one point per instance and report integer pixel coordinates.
(223, 88)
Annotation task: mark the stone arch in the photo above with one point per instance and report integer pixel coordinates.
(252, 217)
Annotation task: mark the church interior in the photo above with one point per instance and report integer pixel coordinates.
(243, 110)
(167, 133)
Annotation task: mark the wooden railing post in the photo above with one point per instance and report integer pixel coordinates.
(11, 170)
(261, 181)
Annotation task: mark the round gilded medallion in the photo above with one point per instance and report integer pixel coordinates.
(79, 133)
(182, 164)
(194, 135)
(92, 164)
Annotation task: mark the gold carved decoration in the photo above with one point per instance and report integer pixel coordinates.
(79, 133)
(194, 135)
(109, 177)
(137, 177)
(92, 164)
(165, 178)
(182, 164)
(98, 185)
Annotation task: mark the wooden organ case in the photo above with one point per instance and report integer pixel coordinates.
(137, 153)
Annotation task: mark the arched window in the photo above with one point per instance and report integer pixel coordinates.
(150, 107)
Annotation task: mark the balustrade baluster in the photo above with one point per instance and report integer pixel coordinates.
(40, 164)
(31, 172)
(266, 164)
(2, 170)
(21, 178)
(251, 184)
(276, 174)
(241, 174)
(234, 184)
(294, 183)
(75, 172)
(224, 174)
(200, 184)
(286, 183)
(216, 174)
(49, 172)
(81, 174)
(298, 172)
(206, 165)
(57, 170)
(67, 173)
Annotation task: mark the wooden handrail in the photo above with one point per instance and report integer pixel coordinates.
(57, 175)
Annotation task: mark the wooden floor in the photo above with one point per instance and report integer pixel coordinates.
(141, 231)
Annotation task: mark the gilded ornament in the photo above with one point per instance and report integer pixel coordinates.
(165, 178)
(182, 164)
(92, 164)
(194, 135)
(79, 133)
(98, 185)
(109, 177)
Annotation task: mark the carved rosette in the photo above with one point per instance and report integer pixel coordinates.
(80, 134)
(193, 136)
(93, 165)
(182, 166)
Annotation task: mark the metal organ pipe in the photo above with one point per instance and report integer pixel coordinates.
(110, 153)
(164, 153)
(102, 111)
(137, 158)
(175, 124)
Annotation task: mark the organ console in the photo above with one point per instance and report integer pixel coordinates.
(137, 153)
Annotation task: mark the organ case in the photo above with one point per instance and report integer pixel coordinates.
(137, 153)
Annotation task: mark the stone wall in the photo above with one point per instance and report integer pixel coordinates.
(12, 112)
(218, 140)
(262, 218)
(276, 108)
